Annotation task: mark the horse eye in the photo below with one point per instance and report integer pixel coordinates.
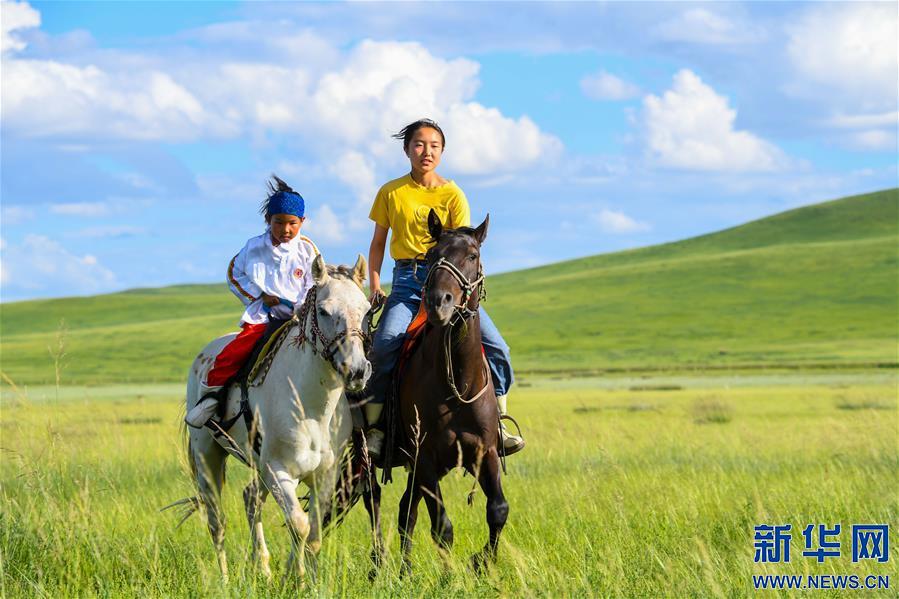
(472, 257)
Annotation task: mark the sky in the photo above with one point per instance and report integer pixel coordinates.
(136, 138)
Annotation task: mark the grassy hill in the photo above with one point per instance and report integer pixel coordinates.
(812, 287)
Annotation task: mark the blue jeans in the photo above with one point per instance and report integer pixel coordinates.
(401, 308)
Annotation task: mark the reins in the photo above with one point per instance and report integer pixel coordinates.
(328, 346)
(461, 313)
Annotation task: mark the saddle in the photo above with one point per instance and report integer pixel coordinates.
(247, 374)
(413, 337)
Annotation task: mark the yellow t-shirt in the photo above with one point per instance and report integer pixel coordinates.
(402, 205)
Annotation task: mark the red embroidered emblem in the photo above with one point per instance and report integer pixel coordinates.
(298, 273)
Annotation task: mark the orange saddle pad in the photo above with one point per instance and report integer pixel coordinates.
(413, 335)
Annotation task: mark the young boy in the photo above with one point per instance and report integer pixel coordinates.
(270, 275)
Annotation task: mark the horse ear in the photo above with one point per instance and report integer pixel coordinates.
(319, 271)
(481, 232)
(359, 271)
(435, 227)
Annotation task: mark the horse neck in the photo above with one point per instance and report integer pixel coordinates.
(307, 373)
(466, 352)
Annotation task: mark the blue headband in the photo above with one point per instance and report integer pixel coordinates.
(286, 202)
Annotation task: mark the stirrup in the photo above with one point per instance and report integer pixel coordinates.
(503, 436)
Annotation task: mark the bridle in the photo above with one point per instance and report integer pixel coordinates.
(461, 313)
(315, 336)
(462, 310)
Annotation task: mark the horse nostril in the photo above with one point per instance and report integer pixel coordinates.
(448, 298)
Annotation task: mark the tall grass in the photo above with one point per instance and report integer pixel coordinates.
(605, 501)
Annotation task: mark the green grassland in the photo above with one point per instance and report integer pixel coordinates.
(812, 287)
(645, 489)
(761, 389)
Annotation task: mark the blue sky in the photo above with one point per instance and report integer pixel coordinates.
(137, 137)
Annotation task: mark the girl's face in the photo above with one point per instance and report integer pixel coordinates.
(424, 150)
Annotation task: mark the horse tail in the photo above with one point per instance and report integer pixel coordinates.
(191, 504)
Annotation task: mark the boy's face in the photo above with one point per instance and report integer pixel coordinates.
(285, 227)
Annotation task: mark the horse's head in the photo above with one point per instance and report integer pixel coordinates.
(455, 275)
(339, 308)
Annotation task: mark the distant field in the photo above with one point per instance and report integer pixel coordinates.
(651, 487)
(813, 287)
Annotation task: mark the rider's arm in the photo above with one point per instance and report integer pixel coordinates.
(239, 280)
(376, 258)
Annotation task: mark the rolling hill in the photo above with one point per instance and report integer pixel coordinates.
(814, 287)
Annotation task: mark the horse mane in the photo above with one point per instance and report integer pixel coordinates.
(456, 232)
(340, 271)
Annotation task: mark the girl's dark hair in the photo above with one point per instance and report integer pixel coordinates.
(409, 130)
(275, 185)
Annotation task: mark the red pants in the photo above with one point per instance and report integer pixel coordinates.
(233, 355)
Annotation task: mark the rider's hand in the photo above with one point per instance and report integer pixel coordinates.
(270, 300)
(376, 296)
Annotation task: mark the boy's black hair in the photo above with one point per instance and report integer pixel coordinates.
(409, 130)
(276, 185)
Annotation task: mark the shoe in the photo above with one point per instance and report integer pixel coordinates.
(511, 443)
(374, 439)
(205, 409)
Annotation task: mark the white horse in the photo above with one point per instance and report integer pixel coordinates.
(301, 412)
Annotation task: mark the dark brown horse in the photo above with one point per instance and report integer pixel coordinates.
(447, 402)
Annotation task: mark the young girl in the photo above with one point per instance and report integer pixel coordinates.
(270, 275)
(402, 206)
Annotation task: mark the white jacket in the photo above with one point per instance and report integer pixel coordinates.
(283, 270)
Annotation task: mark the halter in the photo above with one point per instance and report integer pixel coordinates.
(461, 313)
(328, 346)
(460, 310)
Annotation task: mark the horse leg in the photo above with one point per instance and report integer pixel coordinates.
(253, 498)
(319, 504)
(371, 497)
(407, 517)
(497, 507)
(441, 527)
(283, 488)
(209, 467)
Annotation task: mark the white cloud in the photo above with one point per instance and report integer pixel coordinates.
(605, 86)
(358, 173)
(40, 264)
(108, 231)
(849, 48)
(855, 121)
(15, 16)
(337, 101)
(324, 226)
(15, 215)
(80, 209)
(701, 26)
(873, 139)
(486, 142)
(615, 222)
(48, 98)
(873, 132)
(692, 127)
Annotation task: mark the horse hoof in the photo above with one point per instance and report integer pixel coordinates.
(405, 568)
(480, 563)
